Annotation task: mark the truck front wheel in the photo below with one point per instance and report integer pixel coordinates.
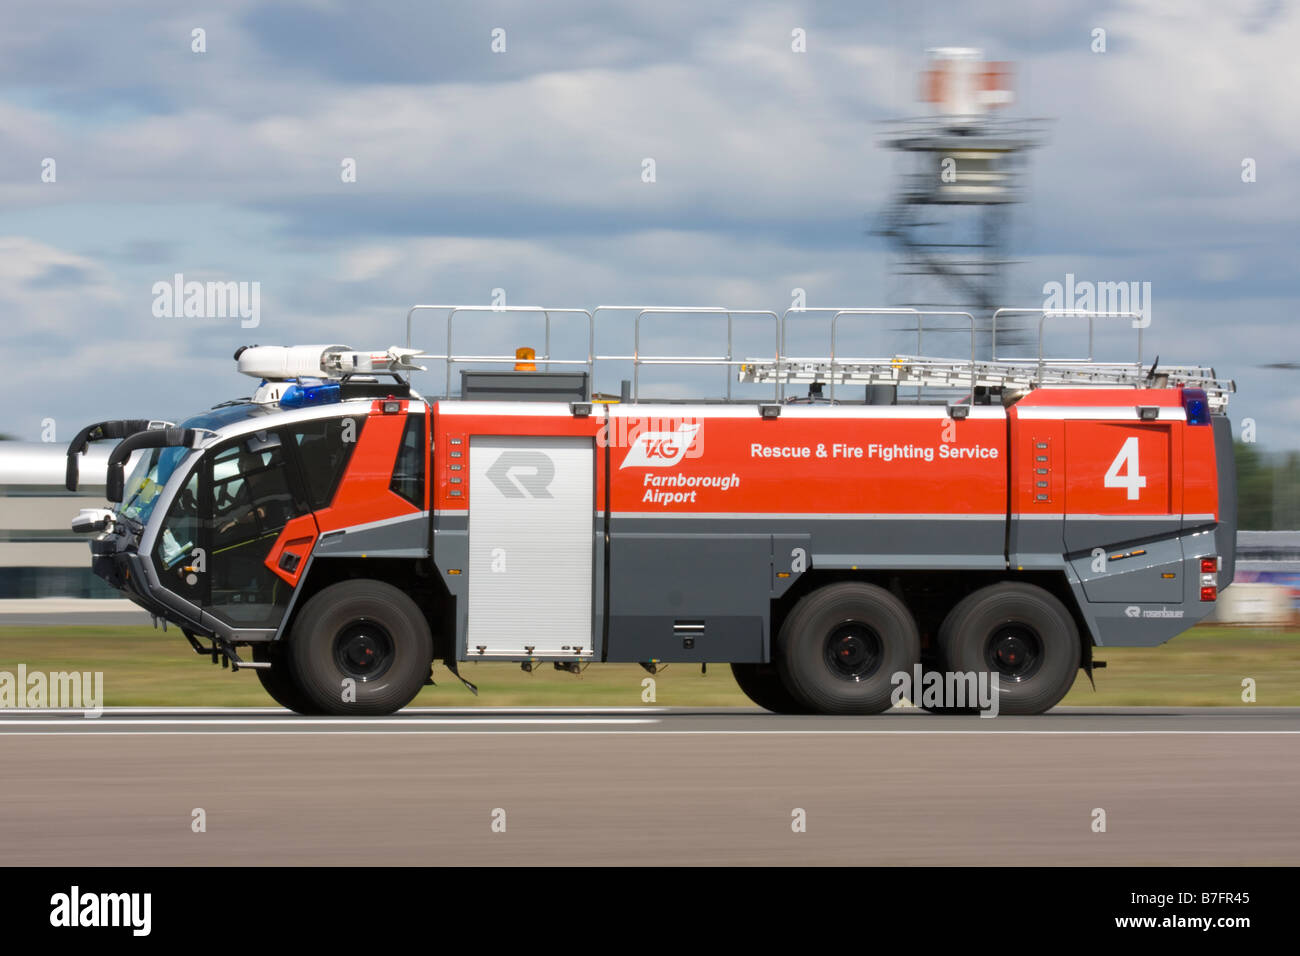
(361, 647)
(279, 681)
(762, 684)
(841, 645)
(1022, 634)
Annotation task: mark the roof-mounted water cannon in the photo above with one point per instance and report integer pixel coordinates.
(285, 363)
(299, 375)
(394, 359)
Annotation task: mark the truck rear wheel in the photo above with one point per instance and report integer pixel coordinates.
(841, 645)
(279, 681)
(762, 684)
(1019, 632)
(361, 647)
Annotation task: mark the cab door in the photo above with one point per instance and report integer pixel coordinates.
(252, 490)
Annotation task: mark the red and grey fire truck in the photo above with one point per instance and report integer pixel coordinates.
(338, 534)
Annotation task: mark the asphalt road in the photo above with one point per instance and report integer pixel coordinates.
(650, 786)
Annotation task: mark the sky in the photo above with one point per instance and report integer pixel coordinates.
(522, 170)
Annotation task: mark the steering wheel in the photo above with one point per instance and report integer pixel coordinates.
(222, 498)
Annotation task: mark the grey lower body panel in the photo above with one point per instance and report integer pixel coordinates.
(700, 589)
(1136, 582)
(689, 597)
(404, 537)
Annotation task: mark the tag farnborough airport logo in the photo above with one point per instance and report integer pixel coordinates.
(660, 449)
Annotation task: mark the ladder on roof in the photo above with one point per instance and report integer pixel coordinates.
(931, 372)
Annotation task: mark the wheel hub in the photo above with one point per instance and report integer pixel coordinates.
(1015, 652)
(853, 651)
(363, 650)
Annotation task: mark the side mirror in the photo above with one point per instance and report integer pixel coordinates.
(90, 520)
(100, 431)
(151, 438)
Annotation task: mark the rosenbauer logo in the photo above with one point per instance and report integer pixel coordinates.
(1134, 611)
(660, 449)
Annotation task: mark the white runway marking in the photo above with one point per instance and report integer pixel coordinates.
(593, 732)
(336, 728)
(325, 721)
(494, 721)
(408, 712)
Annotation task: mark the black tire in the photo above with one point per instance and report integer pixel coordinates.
(366, 631)
(841, 645)
(1022, 633)
(762, 684)
(279, 680)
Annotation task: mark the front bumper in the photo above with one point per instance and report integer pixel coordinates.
(115, 559)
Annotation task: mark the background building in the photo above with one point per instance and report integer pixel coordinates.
(40, 556)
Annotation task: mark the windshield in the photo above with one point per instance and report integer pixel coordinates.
(154, 467)
(145, 484)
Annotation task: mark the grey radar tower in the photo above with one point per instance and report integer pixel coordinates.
(960, 171)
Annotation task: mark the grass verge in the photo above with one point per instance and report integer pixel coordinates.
(142, 667)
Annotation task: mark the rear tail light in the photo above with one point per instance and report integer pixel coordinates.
(1197, 406)
(1209, 579)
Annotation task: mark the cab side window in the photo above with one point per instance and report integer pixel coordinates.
(251, 498)
(408, 470)
(324, 449)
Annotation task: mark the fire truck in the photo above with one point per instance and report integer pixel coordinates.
(338, 534)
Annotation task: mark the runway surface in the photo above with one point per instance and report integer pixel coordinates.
(649, 786)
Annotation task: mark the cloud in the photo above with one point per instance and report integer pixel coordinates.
(42, 286)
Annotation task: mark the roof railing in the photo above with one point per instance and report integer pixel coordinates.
(450, 357)
(920, 371)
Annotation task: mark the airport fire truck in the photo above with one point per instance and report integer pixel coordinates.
(339, 534)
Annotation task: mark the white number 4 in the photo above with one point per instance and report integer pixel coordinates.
(1128, 460)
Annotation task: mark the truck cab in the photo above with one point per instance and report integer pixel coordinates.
(219, 518)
